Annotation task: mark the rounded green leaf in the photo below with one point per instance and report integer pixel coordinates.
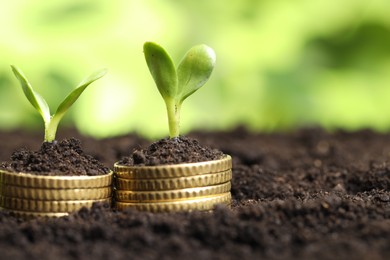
(162, 69)
(195, 69)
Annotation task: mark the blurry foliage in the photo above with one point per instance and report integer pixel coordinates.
(364, 48)
(280, 64)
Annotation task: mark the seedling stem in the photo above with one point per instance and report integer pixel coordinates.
(39, 103)
(176, 84)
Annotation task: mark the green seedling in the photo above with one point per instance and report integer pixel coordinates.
(175, 85)
(40, 104)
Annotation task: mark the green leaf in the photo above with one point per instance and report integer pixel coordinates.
(195, 69)
(75, 94)
(162, 69)
(35, 99)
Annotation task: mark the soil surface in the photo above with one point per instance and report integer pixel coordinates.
(57, 158)
(172, 151)
(302, 195)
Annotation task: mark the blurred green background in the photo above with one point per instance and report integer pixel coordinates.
(281, 64)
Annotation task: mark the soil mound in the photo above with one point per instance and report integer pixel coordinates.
(172, 151)
(57, 158)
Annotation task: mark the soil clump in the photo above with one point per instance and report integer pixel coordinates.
(172, 151)
(58, 158)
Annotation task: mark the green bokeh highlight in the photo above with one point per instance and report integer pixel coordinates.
(280, 64)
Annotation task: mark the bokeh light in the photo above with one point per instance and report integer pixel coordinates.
(280, 64)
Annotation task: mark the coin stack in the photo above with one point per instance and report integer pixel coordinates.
(28, 195)
(170, 188)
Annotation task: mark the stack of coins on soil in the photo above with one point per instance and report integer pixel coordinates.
(29, 195)
(170, 188)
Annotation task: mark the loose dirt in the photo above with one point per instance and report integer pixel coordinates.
(302, 195)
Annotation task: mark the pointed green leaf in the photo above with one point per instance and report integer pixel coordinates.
(195, 69)
(162, 69)
(75, 94)
(35, 99)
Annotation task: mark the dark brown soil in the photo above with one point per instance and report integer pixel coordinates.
(57, 158)
(303, 195)
(172, 151)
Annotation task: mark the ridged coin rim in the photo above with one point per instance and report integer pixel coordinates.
(173, 183)
(169, 195)
(30, 214)
(55, 182)
(201, 204)
(55, 194)
(172, 171)
(46, 206)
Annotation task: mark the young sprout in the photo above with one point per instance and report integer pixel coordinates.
(175, 85)
(39, 103)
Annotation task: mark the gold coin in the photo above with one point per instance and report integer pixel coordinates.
(55, 182)
(172, 171)
(46, 206)
(153, 196)
(173, 183)
(30, 215)
(54, 194)
(204, 203)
